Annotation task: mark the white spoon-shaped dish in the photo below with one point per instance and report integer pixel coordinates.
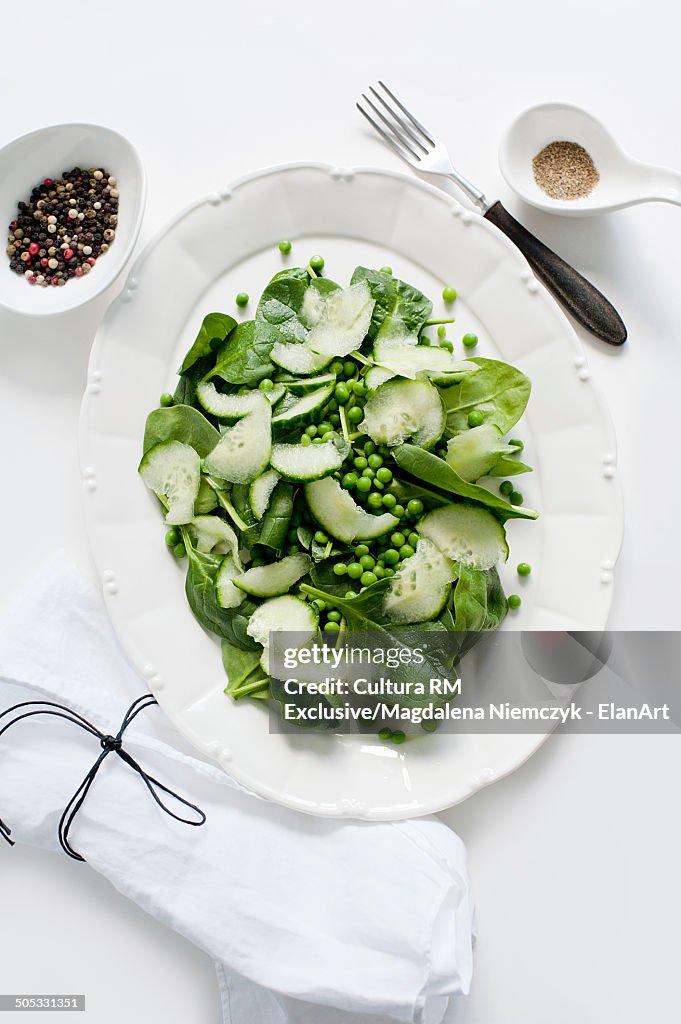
(623, 181)
(47, 153)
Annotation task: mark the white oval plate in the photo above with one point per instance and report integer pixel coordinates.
(228, 243)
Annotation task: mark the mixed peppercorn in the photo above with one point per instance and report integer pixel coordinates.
(65, 225)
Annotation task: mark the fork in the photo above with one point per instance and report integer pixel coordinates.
(407, 137)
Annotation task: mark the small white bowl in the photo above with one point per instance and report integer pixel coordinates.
(47, 153)
(623, 181)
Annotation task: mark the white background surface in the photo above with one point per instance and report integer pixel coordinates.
(573, 858)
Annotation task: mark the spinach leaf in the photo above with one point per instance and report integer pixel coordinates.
(282, 301)
(400, 308)
(185, 392)
(242, 505)
(235, 623)
(200, 588)
(281, 304)
(275, 523)
(479, 600)
(239, 665)
(302, 699)
(244, 357)
(180, 423)
(497, 390)
(435, 471)
(215, 327)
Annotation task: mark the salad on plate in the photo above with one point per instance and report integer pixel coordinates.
(320, 468)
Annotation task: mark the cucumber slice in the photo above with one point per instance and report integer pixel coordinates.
(474, 452)
(301, 463)
(340, 516)
(228, 596)
(243, 451)
(296, 357)
(308, 383)
(226, 407)
(342, 319)
(400, 409)
(274, 579)
(466, 534)
(422, 586)
(276, 615)
(172, 470)
(302, 412)
(378, 375)
(410, 361)
(211, 533)
(261, 492)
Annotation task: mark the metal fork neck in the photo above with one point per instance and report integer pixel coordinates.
(473, 193)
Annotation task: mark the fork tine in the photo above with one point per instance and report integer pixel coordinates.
(402, 139)
(417, 124)
(403, 124)
(394, 145)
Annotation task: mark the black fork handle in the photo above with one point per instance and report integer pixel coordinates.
(580, 298)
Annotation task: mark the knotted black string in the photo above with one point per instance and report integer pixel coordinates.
(109, 745)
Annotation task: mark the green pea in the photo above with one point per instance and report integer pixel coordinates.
(349, 594)
(336, 367)
(442, 332)
(517, 443)
(329, 435)
(384, 474)
(360, 462)
(514, 601)
(334, 419)
(367, 578)
(311, 430)
(361, 549)
(334, 616)
(398, 736)
(388, 571)
(375, 461)
(387, 270)
(369, 473)
(364, 484)
(349, 481)
(378, 484)
(447, 345)
(166, 400)
(515, 498)
(475, 418)
(179, 551)
(355, 570)
(349, 368)
(505, 487)
(317, 440)
(384, 451)
(340, 569)
(242, 299)
(415, 507)
(524, 569)
(356, 414)
(389, 500)
(323, 427)
(424, 340)
(367, 562)
(398, 511)
(369, 448)
(397, 539)
(284, 246)
(317, 262)
(359, 387)
(293, 549)
(331, 627)
(375, 500)
(319, 604)
(321, 537)
(306, 440)
(406, 551)
(341, 392)
(173, 537)
(470, 340)
(391, 556)
(379, 572)
(449, 294)
(413, 538)
(441, 453)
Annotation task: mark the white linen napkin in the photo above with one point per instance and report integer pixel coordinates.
(310, 920)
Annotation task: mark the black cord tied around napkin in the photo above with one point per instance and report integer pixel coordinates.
(109, 745)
